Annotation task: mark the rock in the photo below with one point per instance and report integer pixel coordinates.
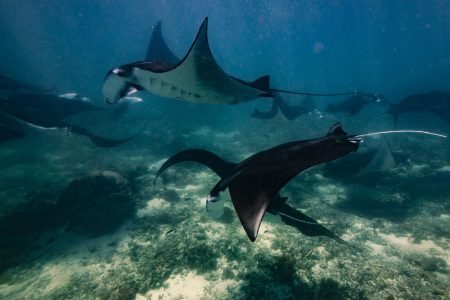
(96, 204)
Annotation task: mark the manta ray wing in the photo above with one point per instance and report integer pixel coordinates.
(250, 203)
(443, 113)
(198, 78)
(220, 166)
(290, 112)
(253, 190)
(382, 161)
(266, 115)
(157, 48)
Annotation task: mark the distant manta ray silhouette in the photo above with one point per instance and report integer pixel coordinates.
(31, 113)
(255, 183)
(355, 103)
(196, 78)
(436, 102)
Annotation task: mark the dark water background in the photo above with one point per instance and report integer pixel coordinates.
(397, 47)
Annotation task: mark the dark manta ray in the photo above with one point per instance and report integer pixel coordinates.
(288, 214)
(196, 78)
(20, 112)
(44, 109)
(436, 102)
(10, 84)
(354, 104)
(254, 184)
(290, 112)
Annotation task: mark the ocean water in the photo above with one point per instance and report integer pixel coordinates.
(80, 221)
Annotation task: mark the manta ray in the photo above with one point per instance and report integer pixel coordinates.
(254, 183)
(196, 78)
(436, 102)
(45, 110)
(28, 113)
(7, 83)
(355, 103)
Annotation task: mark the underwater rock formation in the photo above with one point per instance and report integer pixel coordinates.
(92, 205)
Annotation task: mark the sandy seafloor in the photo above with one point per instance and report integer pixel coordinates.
(170, 249)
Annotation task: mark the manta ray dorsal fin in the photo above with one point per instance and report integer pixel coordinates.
(337, 130)
(262, 83)
(250, 203)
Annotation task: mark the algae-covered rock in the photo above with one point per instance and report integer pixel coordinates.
(96, 204)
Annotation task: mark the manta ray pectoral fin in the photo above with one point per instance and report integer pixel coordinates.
(250, 203)
(214, 162)
(383, 160)
(266, 115)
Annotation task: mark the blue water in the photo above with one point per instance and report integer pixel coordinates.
(396, 48)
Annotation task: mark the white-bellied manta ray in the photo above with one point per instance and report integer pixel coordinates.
(254, 184)
(197, 78)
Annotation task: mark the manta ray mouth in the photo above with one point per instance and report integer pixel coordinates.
(355, 139)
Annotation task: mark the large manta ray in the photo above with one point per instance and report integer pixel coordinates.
(21, 113)
(159, 51)
(196, 78)
(436, 102)
(254, 183)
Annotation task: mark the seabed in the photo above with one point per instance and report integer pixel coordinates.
(168, 247)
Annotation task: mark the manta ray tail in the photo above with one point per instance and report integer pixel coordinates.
(204, 157)
(314, 93)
